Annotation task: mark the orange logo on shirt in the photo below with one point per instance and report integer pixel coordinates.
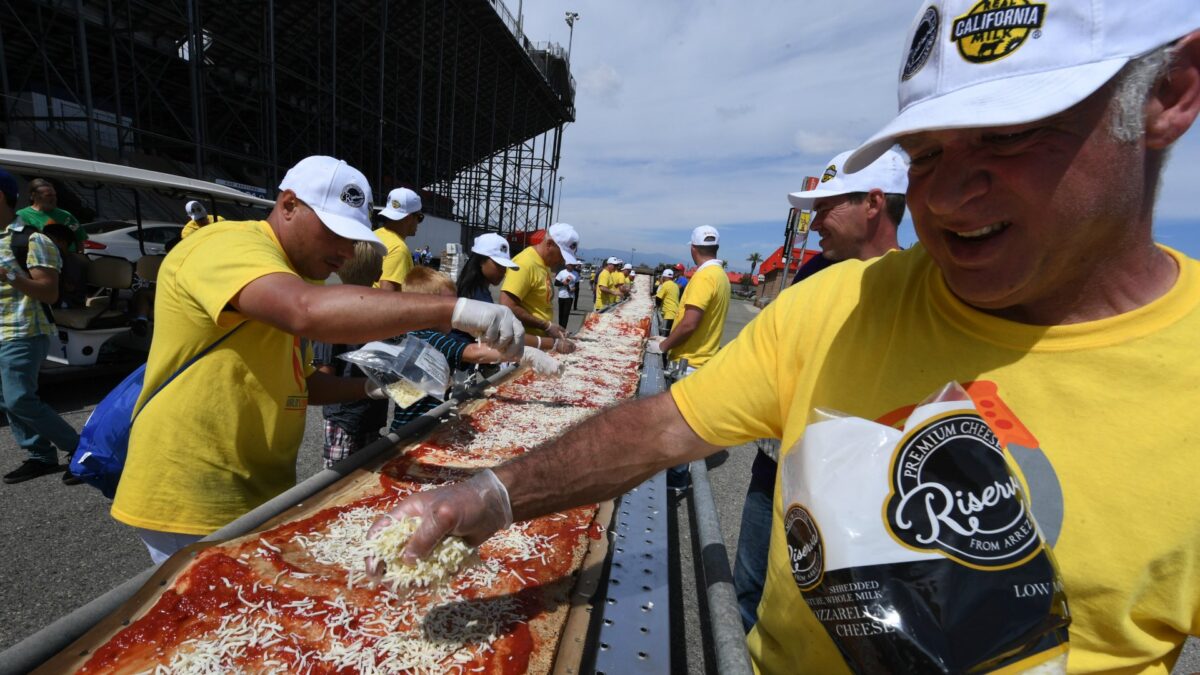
(298, 402)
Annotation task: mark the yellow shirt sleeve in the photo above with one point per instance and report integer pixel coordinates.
(735, 397)
(398, 261)
(211, 286)
(530, 285)
(518, 282)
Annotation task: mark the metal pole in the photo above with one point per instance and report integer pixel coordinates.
(725, 622)
(333, 99)
(195, 56)
(272, 112)
(421, 98)
(110, 26)
(382, 51)
(561, 191)
(86, 72)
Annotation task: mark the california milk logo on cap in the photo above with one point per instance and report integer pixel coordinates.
(923, 43)
(830, 173)
(806, 555)
(993, 29)
(951, 493)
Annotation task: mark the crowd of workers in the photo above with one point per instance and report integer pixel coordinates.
(1030, 176)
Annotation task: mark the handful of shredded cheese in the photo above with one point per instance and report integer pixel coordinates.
(404, 393)
(447, 558)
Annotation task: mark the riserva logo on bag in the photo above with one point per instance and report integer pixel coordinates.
(805, 553)
(952, 493)
(993, 29)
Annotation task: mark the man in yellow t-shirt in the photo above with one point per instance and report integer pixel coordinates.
(606, 286)
(399, 219)
(696, 335)
(221, 437)
(620, 280)
(667, 298)
(198, 218)
(1078, 350)
(529, 290)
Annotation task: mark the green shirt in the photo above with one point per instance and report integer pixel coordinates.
(20, 315)
(40, 219)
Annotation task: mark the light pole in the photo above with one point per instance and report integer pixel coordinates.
(557, 201)
(632, 253)
(572, 17)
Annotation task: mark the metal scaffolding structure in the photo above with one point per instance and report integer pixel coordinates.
(446, 96)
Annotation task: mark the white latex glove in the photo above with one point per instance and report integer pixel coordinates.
(555, 331)
(473, 509)
(563, 346)
(542, 363)
(654, 345)
(373, 390)
(493, 324)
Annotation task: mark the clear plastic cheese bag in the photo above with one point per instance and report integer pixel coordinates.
(917, 550)
(408, 371)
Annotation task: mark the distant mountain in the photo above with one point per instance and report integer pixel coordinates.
(648, 258)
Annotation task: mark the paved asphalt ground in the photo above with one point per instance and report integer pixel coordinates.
(60, 549)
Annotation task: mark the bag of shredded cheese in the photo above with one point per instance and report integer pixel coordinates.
(917, 550)
(408, 371)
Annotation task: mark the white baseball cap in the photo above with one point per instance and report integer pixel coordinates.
(888, 173)
(612, 261)
(967, 64)
(495, 247)
(400, 203)
(196, 210)
(568, 241)
(668, 273)
(627, 266)
(705, 235)
(338, 193)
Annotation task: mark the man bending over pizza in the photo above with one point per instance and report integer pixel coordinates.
(1035, 163)
(222, 436)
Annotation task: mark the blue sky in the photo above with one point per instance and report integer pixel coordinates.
(708, 112)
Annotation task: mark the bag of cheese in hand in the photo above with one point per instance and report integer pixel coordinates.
(407, 371)
(917, 549)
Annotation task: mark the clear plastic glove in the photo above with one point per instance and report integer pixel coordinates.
(654, 345)
(473, 509)
(563, 346)
(373, 390)
(555, 331)
(493, 324)
(542, 363)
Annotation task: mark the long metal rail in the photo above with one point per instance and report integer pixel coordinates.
(724, 618)
(635, 630)
(44, 644)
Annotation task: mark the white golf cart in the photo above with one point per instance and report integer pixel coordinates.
(83, 331)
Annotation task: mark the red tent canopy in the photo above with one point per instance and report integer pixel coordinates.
(775, 260)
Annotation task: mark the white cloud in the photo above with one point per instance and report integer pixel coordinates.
(822, 142)
(601, 83)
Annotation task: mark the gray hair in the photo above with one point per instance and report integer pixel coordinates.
(1131, 88)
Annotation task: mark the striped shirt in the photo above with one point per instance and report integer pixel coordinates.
(20, 315)
(452, 348)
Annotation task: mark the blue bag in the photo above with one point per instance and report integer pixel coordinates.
(99, 458)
